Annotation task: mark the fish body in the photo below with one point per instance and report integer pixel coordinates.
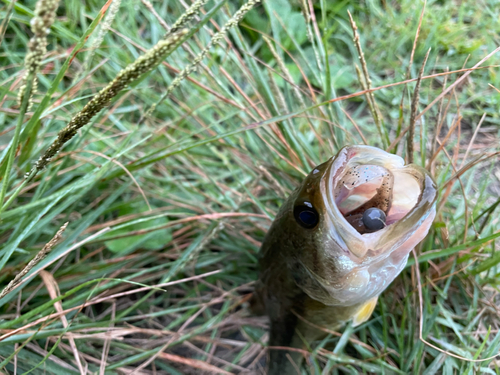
(336, 243)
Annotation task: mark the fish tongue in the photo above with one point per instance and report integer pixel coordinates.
(356, 222)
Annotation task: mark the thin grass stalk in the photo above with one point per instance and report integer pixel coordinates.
(489, 213)
(414, 108)
(364, 86)
(414, 48)
(233, 21)
(150, 7)
(5, 22)
(471, 142)
(307, 16)
(54, 292)
(368, 85)
(457, 82)
(439, 115)
(49, 353)
(408, 74)
(316, 34)
(401, 117)
(17, 350)
(285, 71)
(103, 29)
(278, 95)
(17, 132)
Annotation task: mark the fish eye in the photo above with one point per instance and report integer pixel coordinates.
(374, 219)
(306, 215)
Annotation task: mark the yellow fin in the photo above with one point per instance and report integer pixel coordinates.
(364, 312)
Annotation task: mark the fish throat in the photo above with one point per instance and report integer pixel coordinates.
(364, 195)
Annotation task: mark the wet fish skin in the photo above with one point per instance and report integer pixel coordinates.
(301, 269)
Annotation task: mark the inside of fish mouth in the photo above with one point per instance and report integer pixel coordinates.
(364, 195)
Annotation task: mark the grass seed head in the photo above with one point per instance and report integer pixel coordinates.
(45, 14)
(125, 77)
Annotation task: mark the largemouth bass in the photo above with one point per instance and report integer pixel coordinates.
(336, 243)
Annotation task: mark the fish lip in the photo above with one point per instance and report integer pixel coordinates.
(371, 247)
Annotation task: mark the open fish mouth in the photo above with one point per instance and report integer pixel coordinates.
(390, 193)
(377, 200)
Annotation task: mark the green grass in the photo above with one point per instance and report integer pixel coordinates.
(212, 164)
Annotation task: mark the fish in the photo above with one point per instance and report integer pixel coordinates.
(336, 244)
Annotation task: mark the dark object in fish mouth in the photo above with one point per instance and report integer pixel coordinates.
(374, 219)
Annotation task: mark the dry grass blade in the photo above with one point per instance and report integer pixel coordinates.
(443, 143)
(90, 303)
(107, 343)
(408, 71)
(150, 7)
(414, 107)
(36, 349)
(286, 73)
(471, 142)
(445, 195)
(125, 170)
(40, 256)
(366, 83)
(439, 121)
(365, 141)
(417, 33)
(457, 82)
(215, 216)
(195, 363)
(481, 158)
(53, 289)
(466, 71)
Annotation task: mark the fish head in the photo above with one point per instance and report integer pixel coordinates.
(352, 223)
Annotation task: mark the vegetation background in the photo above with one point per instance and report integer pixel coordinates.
(169, 190)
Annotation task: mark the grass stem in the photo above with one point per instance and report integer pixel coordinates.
(414, 107)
